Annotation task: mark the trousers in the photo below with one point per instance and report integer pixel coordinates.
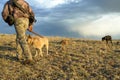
(21, 25)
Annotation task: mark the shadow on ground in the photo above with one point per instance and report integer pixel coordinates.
(5, 48)
(116, 50)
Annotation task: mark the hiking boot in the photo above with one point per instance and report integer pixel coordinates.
(31, 62)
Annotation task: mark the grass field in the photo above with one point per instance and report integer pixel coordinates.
(82, 59)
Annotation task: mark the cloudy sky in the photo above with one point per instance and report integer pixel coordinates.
(73, 18)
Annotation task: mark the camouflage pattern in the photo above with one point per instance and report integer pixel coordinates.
(21, 25)
(16, 12)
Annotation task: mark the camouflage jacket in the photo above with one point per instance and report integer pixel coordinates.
(16, 12)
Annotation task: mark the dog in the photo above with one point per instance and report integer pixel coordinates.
(107, 38)
(64, 43)
(38, 43)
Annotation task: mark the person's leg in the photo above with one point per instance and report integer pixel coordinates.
(21, 25)
(18, 49)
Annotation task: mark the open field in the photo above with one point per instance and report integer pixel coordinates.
(81, 60)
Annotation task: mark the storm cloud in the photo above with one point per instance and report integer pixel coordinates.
(73, 18)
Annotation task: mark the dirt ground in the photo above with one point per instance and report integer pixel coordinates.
(81, 59)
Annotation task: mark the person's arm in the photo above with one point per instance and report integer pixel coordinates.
(31, 16)
(30, 28)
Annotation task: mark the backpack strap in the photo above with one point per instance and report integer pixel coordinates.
(9, 9)
(15, 4)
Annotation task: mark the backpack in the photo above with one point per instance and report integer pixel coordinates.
(10, 18)
(31, 17)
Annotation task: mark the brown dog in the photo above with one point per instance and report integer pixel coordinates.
(64, 43)
(38, 43)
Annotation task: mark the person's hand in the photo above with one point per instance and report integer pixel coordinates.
(30, 28)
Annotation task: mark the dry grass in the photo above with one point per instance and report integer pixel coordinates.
(82, 60)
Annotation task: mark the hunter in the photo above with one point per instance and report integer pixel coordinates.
(21, 12)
